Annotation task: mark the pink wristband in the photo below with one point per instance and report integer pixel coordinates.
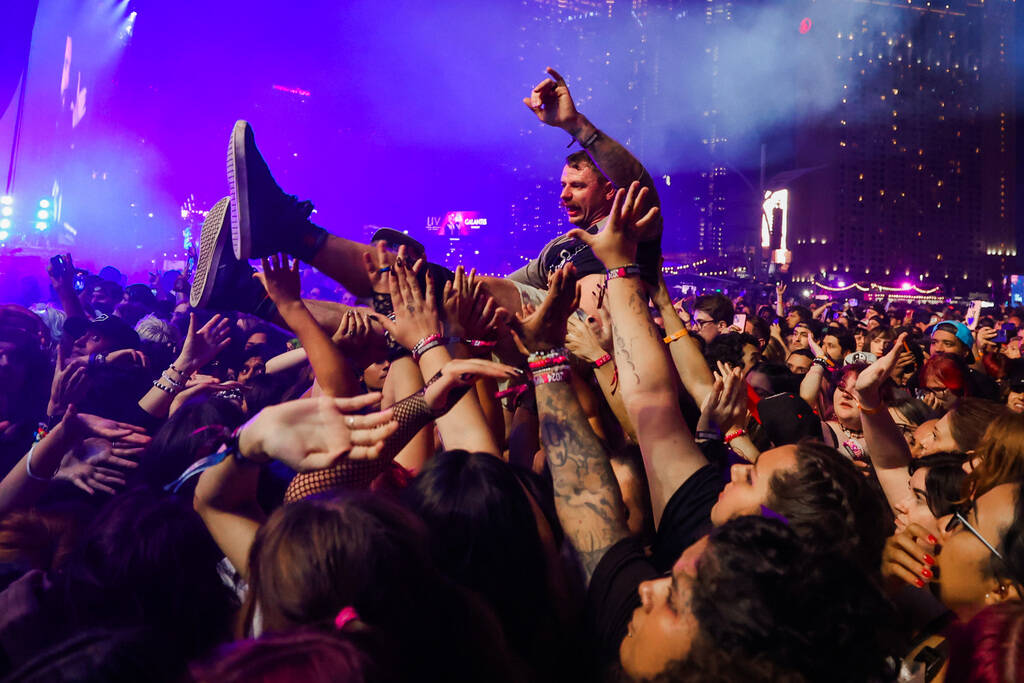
(603, 360)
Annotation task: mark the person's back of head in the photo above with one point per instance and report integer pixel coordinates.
(969, 419)
(483, 535)
(315, 557)
(763, 590)
(831, 505)
(147, 560)
(728, 348)
(803, 313)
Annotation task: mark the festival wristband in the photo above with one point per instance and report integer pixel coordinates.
(603, 360)
(734, 435)
(628, 270)
(676, 336)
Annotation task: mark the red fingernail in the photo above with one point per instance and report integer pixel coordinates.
(932, 539)
(929, 559)
(926, 573)
(919, 583)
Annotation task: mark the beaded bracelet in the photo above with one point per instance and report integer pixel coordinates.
(628, 270)
(541, 355)
(734, 435)
(603, 360)
(824, 363)
(167, 389)
(676, 336)
(173, 382)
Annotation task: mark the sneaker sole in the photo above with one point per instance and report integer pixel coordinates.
(241, 234)
(212, 242)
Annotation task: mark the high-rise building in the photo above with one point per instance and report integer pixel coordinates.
(908, 179)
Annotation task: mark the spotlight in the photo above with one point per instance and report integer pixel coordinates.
(6, 211)
(43, 214)
(3, 235)
(6, 200)
(42, 225)
(44, 203)
(5, 223)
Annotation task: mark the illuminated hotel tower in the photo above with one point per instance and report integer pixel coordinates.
(915, 166)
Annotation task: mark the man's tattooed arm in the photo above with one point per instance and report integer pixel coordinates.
(648, 387)
(587, 495)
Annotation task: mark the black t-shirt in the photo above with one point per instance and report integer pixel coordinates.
(612, 595)
(648, 255)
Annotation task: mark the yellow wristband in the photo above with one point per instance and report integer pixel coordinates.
(676, 336)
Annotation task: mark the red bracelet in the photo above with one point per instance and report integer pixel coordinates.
(603, 360)
(547, 363)
(479, 342)
(425, 344)
(734, 435)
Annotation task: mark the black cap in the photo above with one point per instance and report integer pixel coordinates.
(113, 328)
(787, 418)
(396, 238)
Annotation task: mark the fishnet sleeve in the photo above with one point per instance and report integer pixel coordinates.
(412, 414)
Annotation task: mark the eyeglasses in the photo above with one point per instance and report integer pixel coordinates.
(699, 324)
(923, 392)
(959, 517)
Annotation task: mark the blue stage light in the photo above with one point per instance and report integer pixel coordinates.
(42, 225)
(43, 214)
(3, 235)
(44, 203)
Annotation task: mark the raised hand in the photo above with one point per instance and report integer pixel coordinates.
(94, 467)
(356, 334)
(202, 345)
(458, 373)
(378, 263)
(616, 244)
(469, 312)
(544, 328)
(66, 280)
(551, 102)
(581, 340)
(726, 405)
(869, 383)
(316, 433)
(69, 383)
(415, 312)
(283, 284)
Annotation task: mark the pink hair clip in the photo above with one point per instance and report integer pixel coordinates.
(346, 615)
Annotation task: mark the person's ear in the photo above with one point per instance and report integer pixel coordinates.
(1001, 591)
(609, 190)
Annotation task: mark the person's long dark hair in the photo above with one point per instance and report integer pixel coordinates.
(483, 535)
(316, 556)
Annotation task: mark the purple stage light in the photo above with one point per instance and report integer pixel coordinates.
(906, 285)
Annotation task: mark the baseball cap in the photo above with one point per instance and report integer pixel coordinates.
(962, 332)
(859, 357)
(397, 238)
(113, 328)
(787, 418)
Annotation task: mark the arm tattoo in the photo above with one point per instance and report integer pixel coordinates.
(587, 494)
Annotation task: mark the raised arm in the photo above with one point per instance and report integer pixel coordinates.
(645, 375)
(587, 496)
(886, 446)
(329, 365)
(417, 327)
(201, 346)
(686, 354)
(551, 102)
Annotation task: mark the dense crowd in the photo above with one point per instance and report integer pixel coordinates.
(563, 475)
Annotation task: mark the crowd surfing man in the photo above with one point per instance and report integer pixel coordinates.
(657, 495)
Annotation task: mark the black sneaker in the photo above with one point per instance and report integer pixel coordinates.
(222, 282)
(265, 220)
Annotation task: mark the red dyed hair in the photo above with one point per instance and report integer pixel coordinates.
(946, 371)
(990, 647)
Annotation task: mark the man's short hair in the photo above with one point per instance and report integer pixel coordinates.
(801, 352)
(580, 160)
(716, 305)
(845, 338)
(802, 312)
